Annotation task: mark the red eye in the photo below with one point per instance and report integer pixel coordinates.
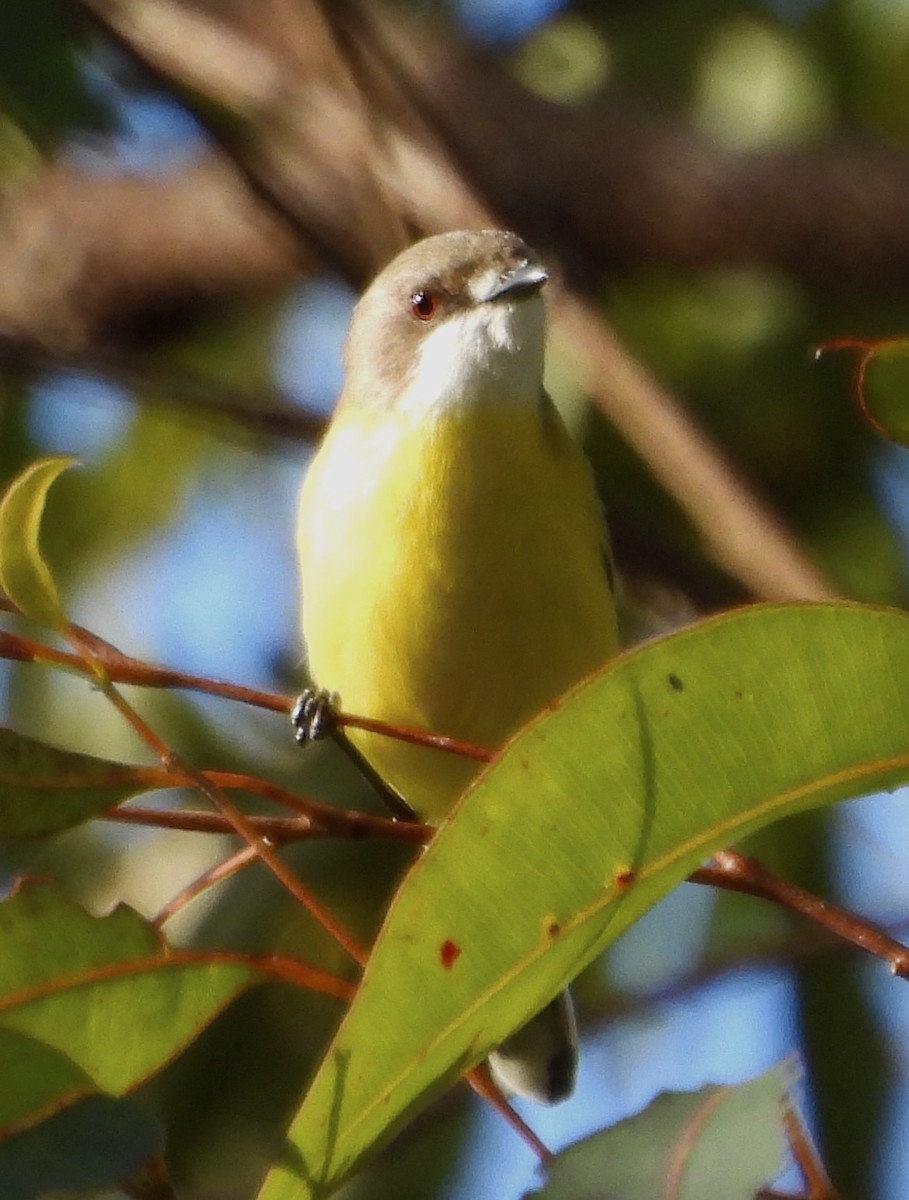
(424, 305)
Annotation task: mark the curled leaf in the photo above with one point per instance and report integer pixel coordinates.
(881, 383)
(24, 575)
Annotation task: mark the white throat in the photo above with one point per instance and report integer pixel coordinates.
(489, 354)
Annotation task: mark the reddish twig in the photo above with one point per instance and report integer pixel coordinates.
(807, 1159)
(342, 822)
(418, 737)
(738, 873)
(182, 774)
(120, 668)
(481, 1082)
(222, 870)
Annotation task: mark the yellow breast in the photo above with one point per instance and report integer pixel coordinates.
(453, 579)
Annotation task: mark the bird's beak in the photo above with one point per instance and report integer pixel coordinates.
(527, 277)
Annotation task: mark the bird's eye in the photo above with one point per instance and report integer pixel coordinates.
(424, 305)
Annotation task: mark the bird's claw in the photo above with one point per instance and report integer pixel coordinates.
(314, 715)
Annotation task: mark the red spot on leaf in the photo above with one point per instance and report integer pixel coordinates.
(449, 953)
(624, 879)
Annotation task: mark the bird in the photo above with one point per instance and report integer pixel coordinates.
(454, 559)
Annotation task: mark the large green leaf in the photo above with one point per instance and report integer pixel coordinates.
(44, 790)
(106, 993)
(720, 1143)
(588, 818)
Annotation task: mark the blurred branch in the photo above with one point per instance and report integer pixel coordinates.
(738, 530)
(90, 259)
(307, 160)
(642, 189)
(194, 395)
(345, 122)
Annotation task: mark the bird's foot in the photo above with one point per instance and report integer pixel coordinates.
(314, 716)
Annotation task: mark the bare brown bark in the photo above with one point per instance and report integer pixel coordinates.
(86, 259)
(603, 187)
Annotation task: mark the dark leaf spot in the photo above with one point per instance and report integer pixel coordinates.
(449, 953)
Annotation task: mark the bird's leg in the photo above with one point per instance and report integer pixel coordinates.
(314, 716)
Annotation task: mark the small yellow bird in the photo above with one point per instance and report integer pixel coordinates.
(453, 555)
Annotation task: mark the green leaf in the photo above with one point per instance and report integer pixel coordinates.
(24, 575)
(882, 382)
(719, 1143)
(591, 815)
(37, 1081)
(44, 790)
(106, 992)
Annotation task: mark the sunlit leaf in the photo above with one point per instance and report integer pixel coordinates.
(24, 575)
(719, 1143)
(589, 817)
(106, 992)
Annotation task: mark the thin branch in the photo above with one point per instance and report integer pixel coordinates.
(807, 1159)
(419, 737)
(196, 395)
(483, 1084)
(121, 668)
(739, 873)
(281, 831)
(208, 879)
(183, 774)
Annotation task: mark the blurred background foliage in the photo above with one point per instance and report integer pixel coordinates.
(729, 184)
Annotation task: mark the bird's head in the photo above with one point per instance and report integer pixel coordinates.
(454, 320)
